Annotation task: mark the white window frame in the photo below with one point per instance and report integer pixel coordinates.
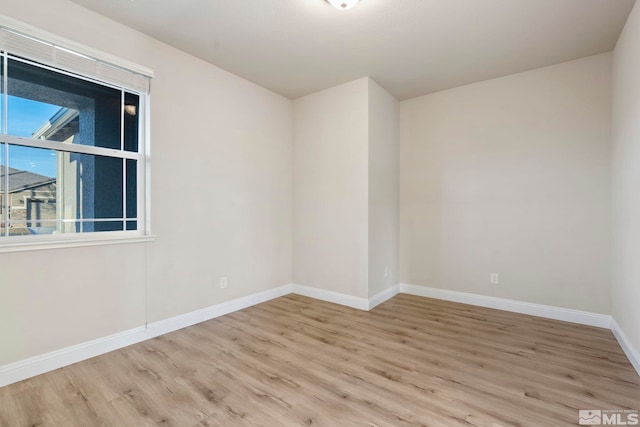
(116, 67)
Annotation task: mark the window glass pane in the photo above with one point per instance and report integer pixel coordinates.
(132, 225)
(47, 185)
(89, 186)
(131, 120)
(107, 187)
(132, 188)
(3, 211)
(36, 161)
(32, 188)
(39, 120)
(45, 104)
(2, 94)
(106, 225)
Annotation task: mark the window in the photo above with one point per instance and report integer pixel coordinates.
(72, 143)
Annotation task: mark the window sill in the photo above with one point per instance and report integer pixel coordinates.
(19, 244)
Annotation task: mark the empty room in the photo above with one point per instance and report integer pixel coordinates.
(319, 212)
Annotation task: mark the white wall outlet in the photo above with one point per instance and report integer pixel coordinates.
(386, 272)
(223, 283)
(494, 279)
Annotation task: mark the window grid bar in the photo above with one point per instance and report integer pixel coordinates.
(71, 221)
(144, 172)
(5, 93)
(69, 148)
(5, 120)
(82, 210)
(124, 162)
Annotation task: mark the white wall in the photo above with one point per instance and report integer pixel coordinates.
(221, 202)
(330, 189)
(511, 176)
(383, 188)
(346, 189)
(626, 179)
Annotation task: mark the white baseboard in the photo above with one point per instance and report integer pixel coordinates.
(359, 303)
(547, 311)
(330, 296)
(37, 365)
(178, 322)
(381, 297)
(632, 353)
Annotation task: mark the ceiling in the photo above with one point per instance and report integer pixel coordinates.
(410, 47)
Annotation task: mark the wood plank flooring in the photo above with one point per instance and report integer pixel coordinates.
(295, 361)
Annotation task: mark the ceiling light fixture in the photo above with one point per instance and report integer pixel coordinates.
(343, 4)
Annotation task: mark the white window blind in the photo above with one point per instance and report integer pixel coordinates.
(70, 59)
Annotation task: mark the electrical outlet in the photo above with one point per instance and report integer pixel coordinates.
(223, 283)
(494, 279)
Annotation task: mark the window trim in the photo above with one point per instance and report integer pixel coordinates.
(143, 233)
(69, 148)
(61, 241)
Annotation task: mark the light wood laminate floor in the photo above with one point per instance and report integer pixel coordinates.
(298, 361)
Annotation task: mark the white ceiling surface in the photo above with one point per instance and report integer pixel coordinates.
(410, 47)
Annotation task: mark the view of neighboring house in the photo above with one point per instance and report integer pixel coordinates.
(32, 201)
